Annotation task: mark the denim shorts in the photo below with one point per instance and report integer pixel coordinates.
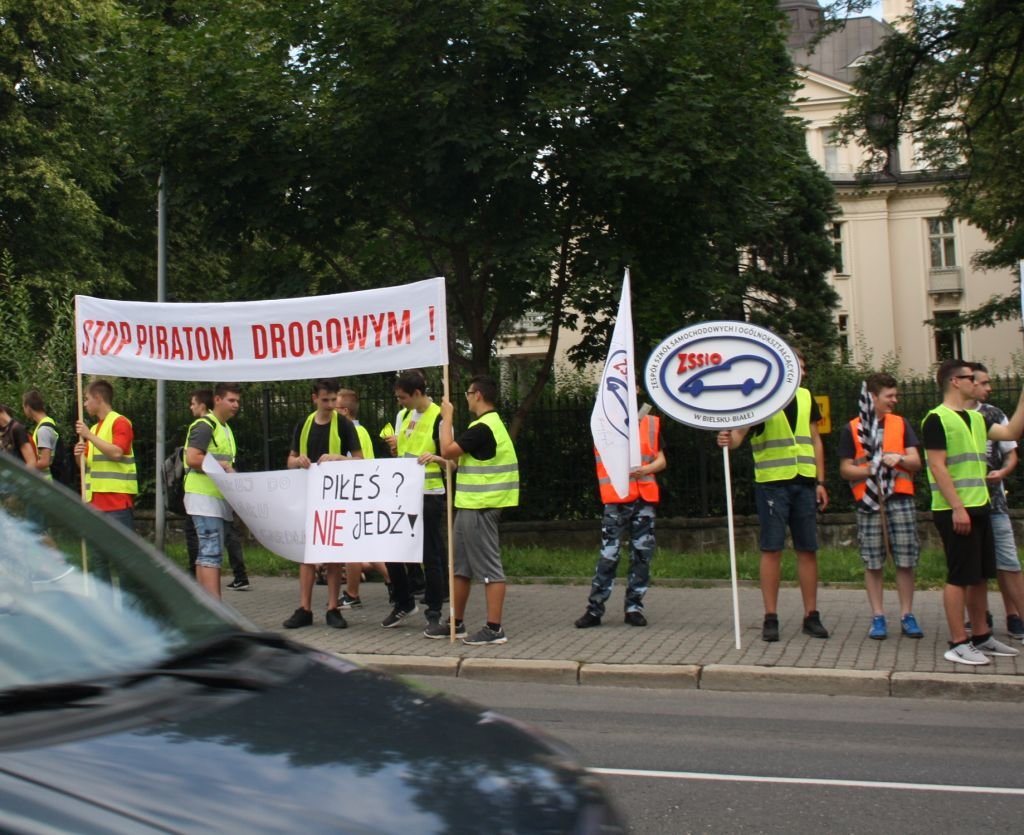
(787, 505)
(1006, 546)
(210, 531)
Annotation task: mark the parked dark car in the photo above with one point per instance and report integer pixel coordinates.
(131, 702)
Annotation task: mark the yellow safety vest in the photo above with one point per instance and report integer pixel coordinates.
(779, 453)
(420, 440)
(102, 473)
(365, 442)
(491, 483)
(965, 459)
(333, 436)
(222, 447)
(46, 421)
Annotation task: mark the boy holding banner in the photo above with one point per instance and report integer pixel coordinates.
(204, 503)
(323, 436)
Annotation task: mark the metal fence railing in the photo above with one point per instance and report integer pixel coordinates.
(554, 445)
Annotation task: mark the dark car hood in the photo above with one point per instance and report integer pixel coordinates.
(336, 748)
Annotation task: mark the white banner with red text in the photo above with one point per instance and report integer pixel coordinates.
(280, 339)
(340, 511)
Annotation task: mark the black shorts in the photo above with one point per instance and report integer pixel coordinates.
(970, 559)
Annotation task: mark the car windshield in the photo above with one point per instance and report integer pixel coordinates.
(81, 598)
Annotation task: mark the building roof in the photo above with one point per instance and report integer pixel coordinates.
(836, 53)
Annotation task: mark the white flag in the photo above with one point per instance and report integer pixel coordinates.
(614, 423)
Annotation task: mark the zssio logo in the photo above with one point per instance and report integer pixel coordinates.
(715, 373)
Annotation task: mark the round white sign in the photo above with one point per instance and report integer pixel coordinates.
(722, 375)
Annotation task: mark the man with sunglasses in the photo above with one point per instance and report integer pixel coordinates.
(954, 438)
(486, 481)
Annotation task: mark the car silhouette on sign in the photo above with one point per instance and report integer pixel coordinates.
(760, 370)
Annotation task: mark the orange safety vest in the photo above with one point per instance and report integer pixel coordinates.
(642, 487)
(892, 441)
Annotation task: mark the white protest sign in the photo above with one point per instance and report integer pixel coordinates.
(279, 339)
(341, 511)
(272, 504)
(722, 375)
(365, 511)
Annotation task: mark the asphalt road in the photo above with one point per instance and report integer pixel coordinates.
(693, 761)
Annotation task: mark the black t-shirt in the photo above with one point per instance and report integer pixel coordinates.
(318, 443)
(933, 433)
(478, 441)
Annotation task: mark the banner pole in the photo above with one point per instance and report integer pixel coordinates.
(449, 502)
(81, 477)
(732, 545)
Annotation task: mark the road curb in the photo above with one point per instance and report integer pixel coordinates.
(649, 676)
(406, 665)
(755, 679)
(961, 686)
(516, 669)
(736, 678)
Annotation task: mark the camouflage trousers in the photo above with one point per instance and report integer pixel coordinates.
(638, 518)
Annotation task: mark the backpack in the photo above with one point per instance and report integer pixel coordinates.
(173, 471)
(63, 467)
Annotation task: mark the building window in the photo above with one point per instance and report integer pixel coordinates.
(836, 234)
(947, 342)
(830, 143)
(942, 243)
(843, 326)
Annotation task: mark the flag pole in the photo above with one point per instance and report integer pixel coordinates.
(732, 545)
(449, 499)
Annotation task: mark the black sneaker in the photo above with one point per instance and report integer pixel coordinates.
(770, 629)
(240, 584)
(813, 627)
(636, 619)
(349, 602)
(586, 620)
(397, 615)
(485, 636)
(335, 619)
(437, 629)
(300, 617)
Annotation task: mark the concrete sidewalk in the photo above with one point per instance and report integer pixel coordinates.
(689, 643)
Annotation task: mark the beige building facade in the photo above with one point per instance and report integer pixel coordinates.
(904, 261)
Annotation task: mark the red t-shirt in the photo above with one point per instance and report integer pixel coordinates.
(122, 436)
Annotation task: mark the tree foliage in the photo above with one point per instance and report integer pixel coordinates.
(526, 151)
(954, 82)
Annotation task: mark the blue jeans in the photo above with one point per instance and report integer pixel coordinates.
(210, 531)
(638, 517)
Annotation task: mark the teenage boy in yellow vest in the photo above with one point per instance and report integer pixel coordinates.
(635, 511)
(44, 433)
(954, 439)
(417, 435)
(323, 436)
(899, 454)
(201, 404)
(487, 481)
(204, 503)
(347, 405)
(111, 481)
(789, 476)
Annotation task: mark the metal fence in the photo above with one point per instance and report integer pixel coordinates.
(554, 445)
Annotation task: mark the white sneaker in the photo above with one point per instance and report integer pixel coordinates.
(994, 647)
(966, 654)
